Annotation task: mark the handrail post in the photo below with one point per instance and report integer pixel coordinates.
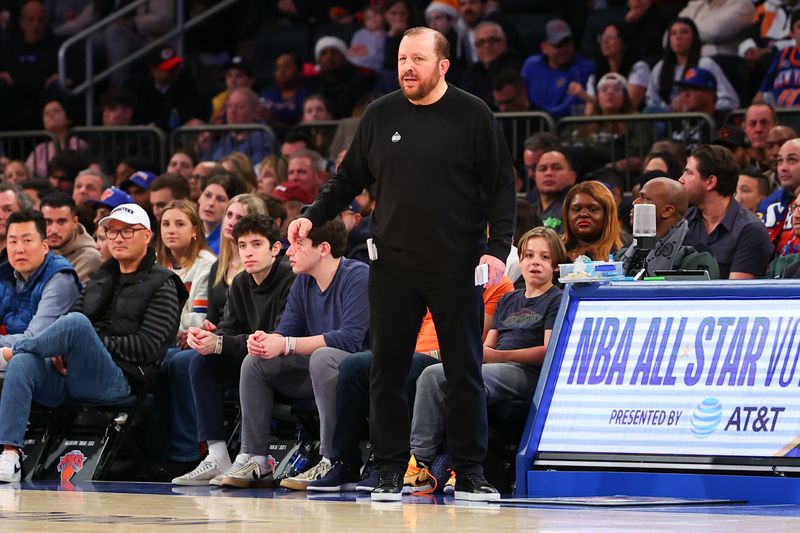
(89, 58)
(180, 16)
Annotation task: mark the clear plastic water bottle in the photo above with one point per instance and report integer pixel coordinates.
(300, 464)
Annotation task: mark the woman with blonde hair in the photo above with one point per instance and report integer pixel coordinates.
(272, 171)
(229, 264)
(592, 227)
(184, 446)
(182, 248)
(240, 165)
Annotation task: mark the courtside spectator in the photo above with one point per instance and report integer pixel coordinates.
(722, 24)
(780, 85)
(493, 56)
(307, 171)
(109, 200)
(775, 139)
(553, 176)
(238, 73)
(137, 186)
(670, 251)
(338, 81)
(759, 119)
(752, 188)
(240, 166)
(85, 355)
(272, 171)
(56, 121)
(255, 302)
(736, 238)
(117, 107)
(682, 52)
(617, 53)
(28, 69)
(219, 189)
(557, 75)
(15, 172)
(36, 189)
(473, 12)
(283, 102)
(367, 44)
(89, 186)
(36, 285)
(592, 228)
(63, 168)
(181, 162)
(325, 319)
(12, 199)
(165, 189)
(241, 108)
(774, 210)
(734, 139)
(67, 237)
(509, 92)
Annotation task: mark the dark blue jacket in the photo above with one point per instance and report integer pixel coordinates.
(17, 309)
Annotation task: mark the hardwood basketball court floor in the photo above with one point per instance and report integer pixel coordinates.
(144, 507)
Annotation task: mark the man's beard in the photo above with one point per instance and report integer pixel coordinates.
(423, 88)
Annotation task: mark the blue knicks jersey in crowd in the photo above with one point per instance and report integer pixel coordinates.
(783, 78)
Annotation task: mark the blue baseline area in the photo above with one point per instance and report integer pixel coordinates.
(539, 483)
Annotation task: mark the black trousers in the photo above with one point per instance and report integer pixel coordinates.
(398, 299)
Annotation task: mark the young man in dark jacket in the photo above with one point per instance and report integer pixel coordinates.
(255, 302)
(124, 321)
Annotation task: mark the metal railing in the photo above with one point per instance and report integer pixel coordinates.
(624, 140)
(519, 126)
(322, 133)
(211, 141)
(111, 145)
(22, 144)
(91, 79)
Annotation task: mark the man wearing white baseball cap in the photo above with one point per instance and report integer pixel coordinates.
(113, 341)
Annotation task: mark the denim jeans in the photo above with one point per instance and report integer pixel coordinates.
(91, 374)
(183, 445)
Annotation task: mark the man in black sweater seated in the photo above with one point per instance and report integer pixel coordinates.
(256, 300)
(126, 317)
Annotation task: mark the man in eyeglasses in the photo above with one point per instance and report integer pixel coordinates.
(493, 56)
(550, 74)
(123, 322)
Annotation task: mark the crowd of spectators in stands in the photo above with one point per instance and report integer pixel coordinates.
(219, 205)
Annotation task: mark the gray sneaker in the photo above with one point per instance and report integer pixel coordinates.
(237, 464)
(250, 475)
(201, 475)
(301, 481)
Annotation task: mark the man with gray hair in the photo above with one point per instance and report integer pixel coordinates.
(307, 170)
(12, 199)
(494, 55)
(89, 186)
(242, 108)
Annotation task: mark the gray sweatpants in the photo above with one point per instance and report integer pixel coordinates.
(502, 381)
(295, 376)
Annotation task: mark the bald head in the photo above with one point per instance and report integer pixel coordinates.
(669, 197)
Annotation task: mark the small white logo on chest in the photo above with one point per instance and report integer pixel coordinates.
(396, 137)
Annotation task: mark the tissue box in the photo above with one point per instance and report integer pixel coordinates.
(587, 272)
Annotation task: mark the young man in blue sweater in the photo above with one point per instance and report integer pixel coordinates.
(326, 318)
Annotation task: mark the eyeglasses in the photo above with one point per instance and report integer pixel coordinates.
(488, 40)
(127, 233)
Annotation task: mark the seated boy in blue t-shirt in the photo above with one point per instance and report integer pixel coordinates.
(513, 352)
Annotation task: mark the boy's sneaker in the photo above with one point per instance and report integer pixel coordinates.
(390, 487)
(450, 486)
(418, 478)
(10, 467)
(201, 475)
(250, 475)
(369, 483)
(340, 478)
(237, 464)
(474, 487)
(301, 481)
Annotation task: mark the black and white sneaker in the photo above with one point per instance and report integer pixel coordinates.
(10, 467)
(474, 487)
(390, 487)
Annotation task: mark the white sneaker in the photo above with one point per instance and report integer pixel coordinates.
(207, 470)
(10, 467)
(250, 476)
(301, 481)
(240, 461)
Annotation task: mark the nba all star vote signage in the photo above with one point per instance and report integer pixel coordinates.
(678, 377)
